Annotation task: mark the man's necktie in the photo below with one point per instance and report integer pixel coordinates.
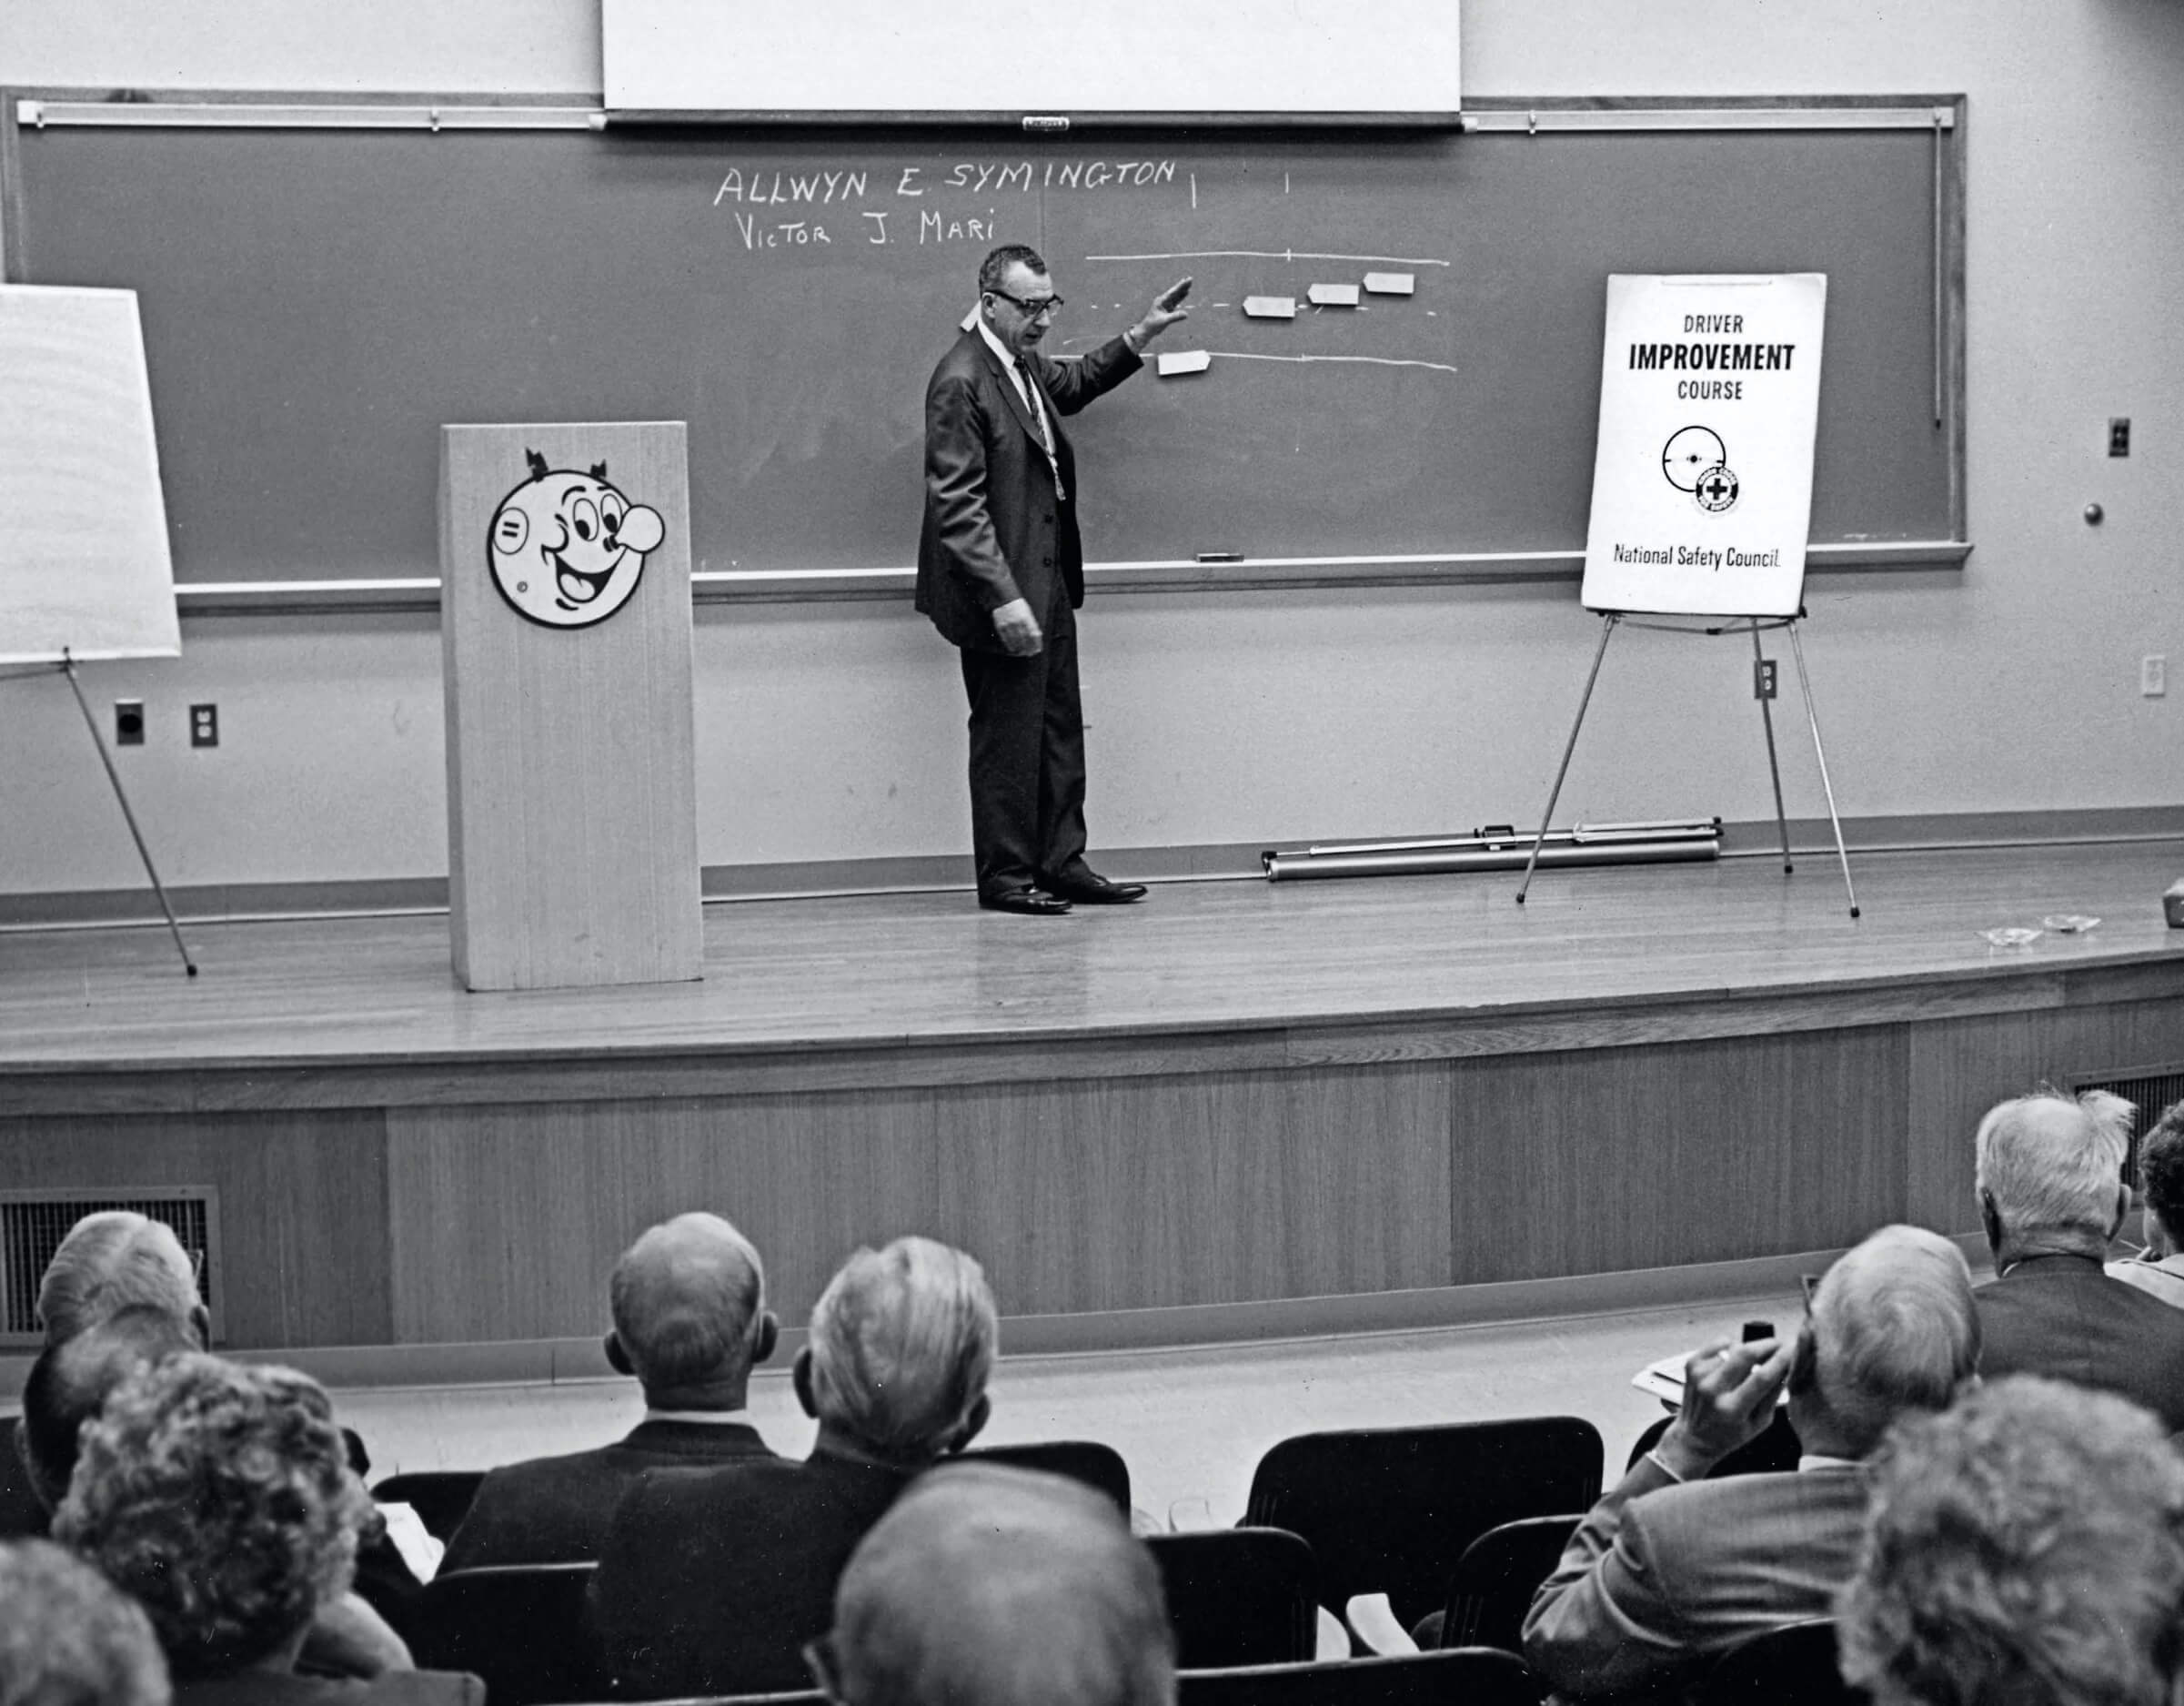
(1046, 433)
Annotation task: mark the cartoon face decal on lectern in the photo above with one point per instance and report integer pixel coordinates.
(566, 549)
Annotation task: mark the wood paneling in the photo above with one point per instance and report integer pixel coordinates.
(1698, 1152)
(303, 1207)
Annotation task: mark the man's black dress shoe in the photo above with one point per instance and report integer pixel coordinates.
(1032, 902)
(1095, 889)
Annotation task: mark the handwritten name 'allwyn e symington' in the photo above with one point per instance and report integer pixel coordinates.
(1696, 557)
(904, 188)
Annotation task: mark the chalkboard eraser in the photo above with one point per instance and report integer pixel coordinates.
(1220, 556)
(1334, 296)
(1270, 307)
(1184, 362)
(1046, 121)
(1391, 284)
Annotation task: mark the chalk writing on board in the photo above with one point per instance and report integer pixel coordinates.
(824, 186)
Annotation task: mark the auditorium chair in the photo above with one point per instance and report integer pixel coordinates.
(1238, 1596)
(1775, 1452)
(520, 1627)
(1492, 1586)
(1099, 1467)
(1391, 1509)
(1791, 1666)
(441, 1498)
(1459, 1676)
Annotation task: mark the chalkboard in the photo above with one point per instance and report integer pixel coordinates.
(317, 301)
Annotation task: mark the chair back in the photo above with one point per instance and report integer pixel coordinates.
(1099, 1467)
(521, 1627)
(1238, 1596)
(1391, 1509)
(1469, 1676)
(1776, 1451)
(1791, 1666)
(441, 1498)
(1491, 1586)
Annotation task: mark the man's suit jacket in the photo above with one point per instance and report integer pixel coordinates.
(282, 1688)
(712, 1581)
(22, 1516)
(995, 529)
(556, 1510)
(1659, 1578)
(2063, 1317)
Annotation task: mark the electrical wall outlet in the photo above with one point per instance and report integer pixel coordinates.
(128, 722)
(2153, 675)
(1764, 678)
(2119, 435)
(205, 725)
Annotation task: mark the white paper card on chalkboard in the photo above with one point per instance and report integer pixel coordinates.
(1702, 474)
(1174, 361)
(1270, 307)
(84, 561)
(1391, 284)
(1334, 296)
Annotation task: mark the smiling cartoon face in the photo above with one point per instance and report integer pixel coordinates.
(566, 549)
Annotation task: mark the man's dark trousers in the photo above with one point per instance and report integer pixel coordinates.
(1027, 758)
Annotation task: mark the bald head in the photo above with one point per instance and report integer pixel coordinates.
(1893, 1330)
(116, 1260)
(689, 1300)
(986, 1586)
(68, 1384)
(2050, 1173)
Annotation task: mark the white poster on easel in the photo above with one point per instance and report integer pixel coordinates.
(1702, 477)
(84, 569)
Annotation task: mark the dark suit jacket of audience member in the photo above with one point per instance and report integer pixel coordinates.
(555, 1510)
(22, 1516)
(2062, 1316)
(713, 1580)
(393, 1688)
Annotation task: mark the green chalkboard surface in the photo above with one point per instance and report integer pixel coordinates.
(316, 302)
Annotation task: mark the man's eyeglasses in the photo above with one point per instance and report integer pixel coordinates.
(1048, 305)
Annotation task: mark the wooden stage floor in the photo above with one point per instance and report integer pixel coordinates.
(886, 971)
(1237, 1108)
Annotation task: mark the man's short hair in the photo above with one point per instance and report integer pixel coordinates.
(68, 1384)
(220, 1498)
(110, 1261)
(2053, 1164)
(2161, 1170)
(993, 271)
(2027, 1545)
(686, 1299)
(988, 1586)
(1894, 1329)
(68, 1637)
(902, 1342)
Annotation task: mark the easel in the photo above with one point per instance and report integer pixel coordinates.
(67, 667)
(1763, 690)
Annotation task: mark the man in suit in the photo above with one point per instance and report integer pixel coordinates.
(1669, 1569)
(987, 1586)
(2158, 1269)
(691, 1321)
(1000, 572)
(2049, 1175)
(712, 1581)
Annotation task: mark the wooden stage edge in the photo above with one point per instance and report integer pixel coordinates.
(1238, 1111)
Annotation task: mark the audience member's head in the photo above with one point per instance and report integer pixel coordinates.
(902, 1341)
(116, 1260)
(68, 1637)
(2025, 1549)
(1891, 1328)
(220, 1497)
(69, 1382)
(986, 1586)
(2161, 1179)
(688, 1301)
(2050, 1174)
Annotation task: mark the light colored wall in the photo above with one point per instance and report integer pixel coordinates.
(834, 732)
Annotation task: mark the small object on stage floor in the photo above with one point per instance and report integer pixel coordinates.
(2069, 923)
(2172, 905)
(2012, 935)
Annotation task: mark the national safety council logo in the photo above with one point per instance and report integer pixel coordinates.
(1696, 460)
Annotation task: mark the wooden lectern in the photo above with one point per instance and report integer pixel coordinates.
(565, 622)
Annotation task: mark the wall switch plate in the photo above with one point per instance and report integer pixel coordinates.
(205, 725)
(128, 722)
(1765, 679)
(2119, 435)
(2153, 675)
